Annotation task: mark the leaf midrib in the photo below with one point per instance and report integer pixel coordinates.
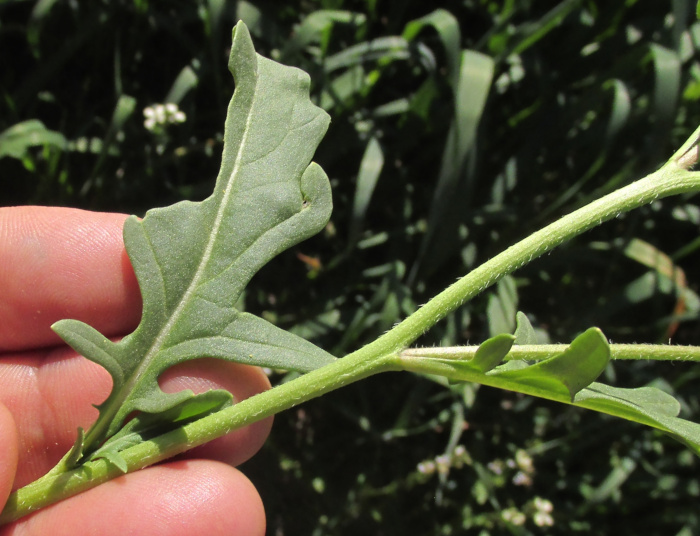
(158, 341)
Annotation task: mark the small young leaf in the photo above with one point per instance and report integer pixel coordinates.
(193, 260)
(492, 351)
(524, 332)
(580, 364)
(487, 356)
(145, 426)
(116, 459)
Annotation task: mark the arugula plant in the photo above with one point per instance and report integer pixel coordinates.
(193, 261)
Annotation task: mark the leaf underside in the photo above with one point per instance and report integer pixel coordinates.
(194, 259)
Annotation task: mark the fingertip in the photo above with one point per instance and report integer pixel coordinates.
(175, 499)
(242, 381)
(63, 263)
(9, 452)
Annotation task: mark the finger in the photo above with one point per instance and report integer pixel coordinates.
(8, 453)
(179, 498)
(242, 382)
(63, 263)
(51, 393)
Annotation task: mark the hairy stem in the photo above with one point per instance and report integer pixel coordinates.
(540, 352)
(672, 179)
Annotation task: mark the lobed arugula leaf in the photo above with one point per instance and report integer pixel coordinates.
(558, 378)
(194, 259)
(567, 373)
(568, 377)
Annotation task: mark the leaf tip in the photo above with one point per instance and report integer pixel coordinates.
(116, 459)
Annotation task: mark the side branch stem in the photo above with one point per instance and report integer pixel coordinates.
(671, 179)
(540, 352)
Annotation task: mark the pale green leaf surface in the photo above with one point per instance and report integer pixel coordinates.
(193, 260)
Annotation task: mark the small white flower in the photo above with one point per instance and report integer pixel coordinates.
(496, 467)
(524, 461)
(542, 505)
(158, 116)
(427, 467)
(443, 463)
(159, 113)
(521, 479)
(514, 516)
(543, 519)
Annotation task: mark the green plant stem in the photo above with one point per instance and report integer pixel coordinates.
(379, 356)
(672, 179)
(56, 487)
(540, 352)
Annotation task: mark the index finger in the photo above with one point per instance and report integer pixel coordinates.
(63, 263)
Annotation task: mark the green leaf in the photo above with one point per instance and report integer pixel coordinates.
(447, 28)
(16, 140)
(492, 351)
(367, 177)
(502, 307)
(645, 405)
(389, 48)
(580, 364)
(531, 32)
(524, 332)
(317, 27)
(567, 378)
(453, 186)
(185, 81)
(145, 426)
(193, 260)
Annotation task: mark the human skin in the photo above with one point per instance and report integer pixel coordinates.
(65, 263)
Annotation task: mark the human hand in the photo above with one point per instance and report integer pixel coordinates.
(64, 263)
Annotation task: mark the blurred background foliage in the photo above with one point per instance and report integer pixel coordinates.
(458, 127)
